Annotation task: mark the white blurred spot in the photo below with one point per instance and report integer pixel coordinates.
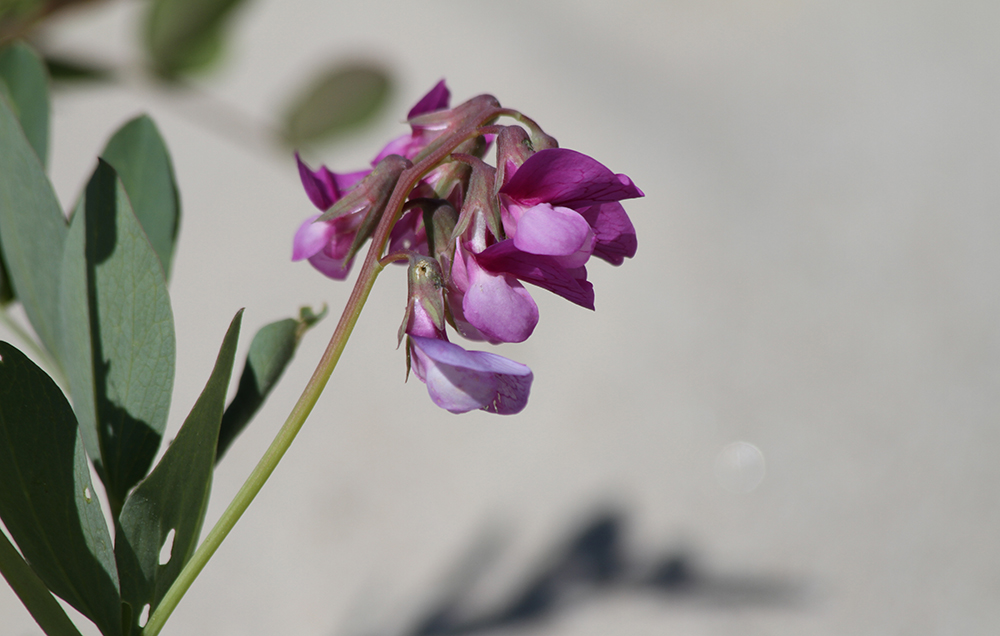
(144, 616)
(168, 548)
(86, 493)
(739, 467)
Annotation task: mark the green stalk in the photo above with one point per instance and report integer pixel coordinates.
(34, 594)
(370, 270)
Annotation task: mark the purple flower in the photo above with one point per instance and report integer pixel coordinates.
(420, 135)
(559, 208)
(457, 380)
(327, 244)
(352, 205)
(562, 178)
(461, 381)
(487, 305)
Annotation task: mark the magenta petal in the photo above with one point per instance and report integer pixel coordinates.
(324, 187)
(499, 306)
(311, 237)
(562, 177)
(334, 268)
(461, 381)
(435, 99)
(544, 271)
(616, 239)
(554, 231)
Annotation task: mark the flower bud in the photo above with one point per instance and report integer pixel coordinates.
(425, 306)
(480, 209)
(369, 197)
(478, 111)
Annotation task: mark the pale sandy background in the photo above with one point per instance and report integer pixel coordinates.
(817, 276)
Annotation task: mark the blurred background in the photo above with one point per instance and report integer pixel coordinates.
(783, 416)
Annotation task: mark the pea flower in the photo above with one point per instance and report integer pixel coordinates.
(558, 208)
(473, 234)
(457, 380)
(327, 243)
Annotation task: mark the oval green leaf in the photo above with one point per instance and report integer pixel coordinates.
(47, 500)
(139, 156)
(341, 98)
(117, 343)
(27, 83)
(184, 35)
(174, 498)
(270, 352)
(32, 229)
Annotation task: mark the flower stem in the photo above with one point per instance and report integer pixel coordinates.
(274, 453)
(370, 270)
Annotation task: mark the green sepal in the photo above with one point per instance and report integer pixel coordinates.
(47, 501)
(117, 343)
(174, 497)
(270, 352)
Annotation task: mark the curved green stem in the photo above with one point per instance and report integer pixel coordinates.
(370, 270)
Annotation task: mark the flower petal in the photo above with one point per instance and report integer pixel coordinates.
(555, 231)
(616, 239)
(436, 99)
(563, 177)
(324, 187)
(545, 271)
(498, 305)
(461, 381)
(311, 237)
(334, 268)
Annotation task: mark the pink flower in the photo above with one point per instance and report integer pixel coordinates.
(456, 379)
(327, 243)
(461, 381)
(558, 208)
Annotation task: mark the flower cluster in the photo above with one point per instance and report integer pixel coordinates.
(472, 233)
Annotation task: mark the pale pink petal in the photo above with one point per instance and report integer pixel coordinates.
(499, 306)
(461, 381)
(311, 237)
(555, 231)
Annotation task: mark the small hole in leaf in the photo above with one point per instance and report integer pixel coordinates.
(144, 616)
(168, 547)
(86, 493)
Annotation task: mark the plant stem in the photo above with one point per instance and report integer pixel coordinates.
(370, 269)
(35, 596)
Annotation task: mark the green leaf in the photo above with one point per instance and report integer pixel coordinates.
(33, 593)
(184, 35)
(174, 497)
(47, 500)
(139, 156)
(32, 229)
(68, 69)
(270, 352)
(341, 98)
(27, 83)
(118, 335)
